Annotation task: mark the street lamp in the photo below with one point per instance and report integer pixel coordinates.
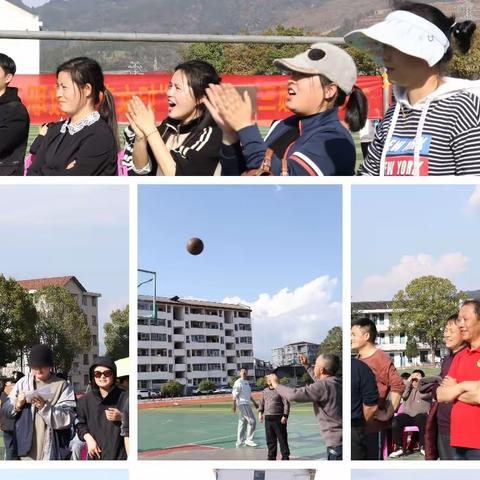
(154, 280)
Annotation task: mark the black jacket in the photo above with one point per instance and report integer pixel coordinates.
(14, 125)
(199, 153)
(91, 416)
(93, 149)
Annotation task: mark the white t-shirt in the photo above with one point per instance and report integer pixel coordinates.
(242, 392)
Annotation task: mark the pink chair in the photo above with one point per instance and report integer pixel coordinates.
(121, 168)
(406, 431)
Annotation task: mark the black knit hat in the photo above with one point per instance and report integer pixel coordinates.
(41, 356)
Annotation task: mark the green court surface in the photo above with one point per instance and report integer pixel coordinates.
(2, 448)
(208, 431)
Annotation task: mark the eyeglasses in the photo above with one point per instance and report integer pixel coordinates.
(106, 373)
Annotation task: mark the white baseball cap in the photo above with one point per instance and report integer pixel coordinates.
(324, 59)
(405, 31)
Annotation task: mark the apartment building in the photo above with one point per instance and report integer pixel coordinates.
(191, 340)
(288, 354)
(88, 302)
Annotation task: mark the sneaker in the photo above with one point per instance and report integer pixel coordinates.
(396, 453)
(249, 443)
(238, 445)
(422, 451)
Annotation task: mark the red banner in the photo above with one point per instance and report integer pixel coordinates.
(38, 94)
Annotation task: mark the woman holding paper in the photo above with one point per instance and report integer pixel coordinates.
(42, 405)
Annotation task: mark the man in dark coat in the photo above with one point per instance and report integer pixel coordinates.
(14, 122)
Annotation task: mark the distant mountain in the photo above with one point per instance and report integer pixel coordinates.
(181, 16)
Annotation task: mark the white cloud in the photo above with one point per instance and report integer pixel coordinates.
(305, 313)
(474, 200)
(383, 287)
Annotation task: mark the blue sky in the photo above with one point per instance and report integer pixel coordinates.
(401, 232)
(50, 231)
(424, 474)
(43, 474)
(277, 248)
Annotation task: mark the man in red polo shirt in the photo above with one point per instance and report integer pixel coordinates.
(460, 386)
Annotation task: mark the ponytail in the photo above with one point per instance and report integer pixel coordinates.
(107, 112)
(462, 33)
(356, 109)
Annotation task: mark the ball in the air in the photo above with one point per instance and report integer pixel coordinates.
(195, 246)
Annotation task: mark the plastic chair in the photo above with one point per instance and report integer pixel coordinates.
(406, 431)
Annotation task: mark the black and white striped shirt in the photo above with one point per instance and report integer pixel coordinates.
(448, 143)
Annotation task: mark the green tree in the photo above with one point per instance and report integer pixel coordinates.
(262, 382)
(363, 61)
(116, 334)
(207, 384)
(172, 389)
(411, 348)
(18, 318)
(284, 380)
(62, 325)
(422, 308)
(244, 58)
(332, 343)
(232, 380)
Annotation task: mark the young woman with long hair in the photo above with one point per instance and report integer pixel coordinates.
(188, 141)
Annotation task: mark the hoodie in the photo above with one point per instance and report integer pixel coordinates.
(439, 135)
(14, 125)
(91, 410)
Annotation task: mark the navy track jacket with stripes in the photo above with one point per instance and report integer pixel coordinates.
(323, 147)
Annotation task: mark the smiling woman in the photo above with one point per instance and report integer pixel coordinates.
(188, 141)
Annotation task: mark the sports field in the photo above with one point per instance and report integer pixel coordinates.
(205, 429)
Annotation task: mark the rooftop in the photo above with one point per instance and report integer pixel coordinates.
(194, 303)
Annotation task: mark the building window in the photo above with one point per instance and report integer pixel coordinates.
(94, 340)
(85, 358)
(84, 300)
(403, 338)
(85, 379)
(94, 320)
(94, 301)
(391, 339)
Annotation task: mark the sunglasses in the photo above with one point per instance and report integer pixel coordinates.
(106, 374)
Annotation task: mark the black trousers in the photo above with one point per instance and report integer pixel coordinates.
(276, 431)
(359, 450)
(404, 420)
